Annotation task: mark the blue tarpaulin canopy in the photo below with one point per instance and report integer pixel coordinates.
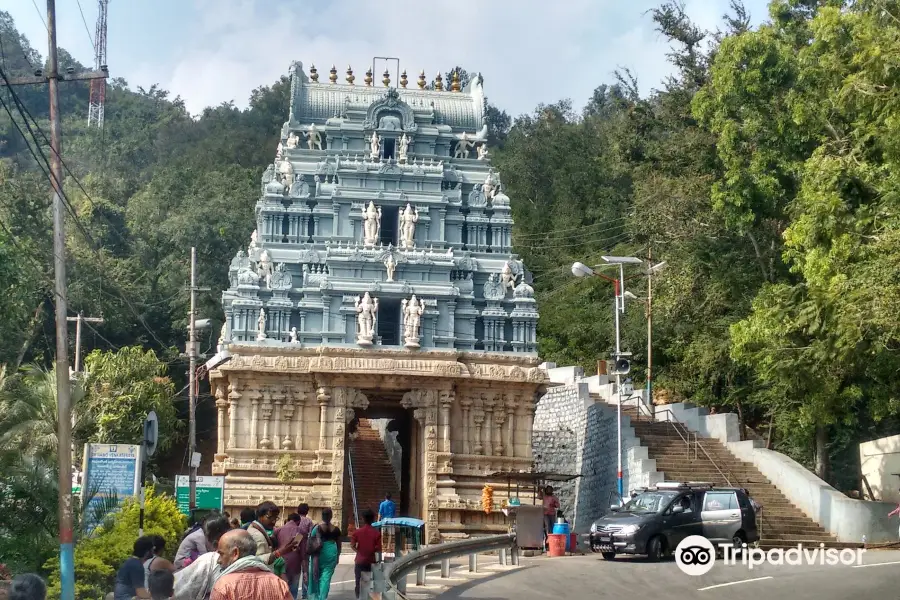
(400, 522)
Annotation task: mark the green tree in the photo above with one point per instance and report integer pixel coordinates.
(121, 388)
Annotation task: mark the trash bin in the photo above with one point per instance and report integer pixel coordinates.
(557, 544)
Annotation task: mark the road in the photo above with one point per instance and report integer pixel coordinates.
(591, 577)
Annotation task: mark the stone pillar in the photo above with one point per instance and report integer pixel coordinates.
(432, 534)
(254, 419)
(499, 420)
(288, 411)
(266, 410)
(446, 399)
(337, 457)
(301, 406)
(276, 422)
(488, 404)
(221, 405)
(233, 397)
(510, 425)
(478, 417)
(466, 404)
(324, 398)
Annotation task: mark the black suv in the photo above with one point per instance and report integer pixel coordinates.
(655, 520)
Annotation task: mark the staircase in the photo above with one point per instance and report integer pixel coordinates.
(683, 456)
(373, 475)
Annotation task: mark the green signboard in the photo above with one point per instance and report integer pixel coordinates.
(210, 493)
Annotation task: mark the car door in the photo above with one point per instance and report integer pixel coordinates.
(721, 515)
(677, 526)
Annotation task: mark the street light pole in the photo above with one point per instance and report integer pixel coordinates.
(192, 392)
(619, 285)
(650, 327)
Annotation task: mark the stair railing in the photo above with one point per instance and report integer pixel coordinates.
(684, 433)
(352, 484)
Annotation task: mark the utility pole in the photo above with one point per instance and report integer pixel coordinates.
(650, 327)
(192, 382)
(78, 321)
(63, 399)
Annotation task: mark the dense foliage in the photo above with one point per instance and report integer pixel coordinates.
(761, 171)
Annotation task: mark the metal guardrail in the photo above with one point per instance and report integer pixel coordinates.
(396, 572)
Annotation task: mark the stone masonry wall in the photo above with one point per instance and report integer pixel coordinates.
(575, 433)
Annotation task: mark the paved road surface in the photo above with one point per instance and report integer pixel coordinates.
(589, 577)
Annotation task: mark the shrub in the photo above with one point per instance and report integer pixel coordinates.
(98, 557)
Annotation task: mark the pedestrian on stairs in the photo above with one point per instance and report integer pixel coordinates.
(387, 509)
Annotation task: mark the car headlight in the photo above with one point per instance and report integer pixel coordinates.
(629, 529)
(593, 528)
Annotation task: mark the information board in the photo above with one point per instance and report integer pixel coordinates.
(210, 493)
(109, 470)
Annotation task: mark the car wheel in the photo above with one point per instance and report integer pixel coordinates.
(609, 556)
(655, 548)
(738, 541)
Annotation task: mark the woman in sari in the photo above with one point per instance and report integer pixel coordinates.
(324, 551)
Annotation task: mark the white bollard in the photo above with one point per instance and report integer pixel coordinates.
(473, 563)
(445, 568)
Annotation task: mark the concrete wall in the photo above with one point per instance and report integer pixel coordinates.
(575, 433)
(879, 462)
(846, 518)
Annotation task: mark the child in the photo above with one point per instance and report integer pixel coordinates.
(162, 585)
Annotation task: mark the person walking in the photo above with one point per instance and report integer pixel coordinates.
(130, 581)
(248, 515)
(193, 545)
(244, 576)
(366, 541)
(324, 548)
(387, 509)
(161, 585)
(267, 548)
(195, 582)
(284, 535)
(304, 528)
(157, 562)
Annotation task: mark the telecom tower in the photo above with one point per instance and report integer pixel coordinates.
(98, 86)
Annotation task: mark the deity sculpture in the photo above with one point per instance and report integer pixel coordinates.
(293, 140)
(261, 326)
(487, 187)
(391, 265)
(314, 138)
(408, 220)
(507, 277)
(292, 336)
(366, 310)
(403, 148)
(254, 243)
(286, 170)
(299, 188)
(222, 337)
(265, 268)
(462, 147)
(412, 311)
(371, 224)
(375, 146)
(483, 152)
(279, 151)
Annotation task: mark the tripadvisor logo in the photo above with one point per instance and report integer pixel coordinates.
(696, 555)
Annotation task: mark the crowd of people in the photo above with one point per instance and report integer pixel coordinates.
(256, 557)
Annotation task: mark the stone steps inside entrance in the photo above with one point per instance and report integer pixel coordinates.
(373, 475)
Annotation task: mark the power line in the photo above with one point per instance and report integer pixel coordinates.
(86, 28)
(40, 14)
(605, 241)
(579, 228)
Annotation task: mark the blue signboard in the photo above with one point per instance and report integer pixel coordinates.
(109, 470)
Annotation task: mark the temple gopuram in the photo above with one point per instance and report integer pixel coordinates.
(379, 284)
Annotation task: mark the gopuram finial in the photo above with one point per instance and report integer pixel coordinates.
(454, 84)
(387, 78)
(368, 78)
(333, 76)
(422, 80)
(313, 73)
(403, 79)
(350, 77)
(439, 82)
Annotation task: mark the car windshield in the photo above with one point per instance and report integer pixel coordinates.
(649, 502)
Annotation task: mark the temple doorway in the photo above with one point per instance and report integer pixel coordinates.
(384, 455)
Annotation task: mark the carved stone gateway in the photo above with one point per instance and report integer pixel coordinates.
(379, 284)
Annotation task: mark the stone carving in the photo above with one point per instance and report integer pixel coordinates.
(268, 176)
(292, 336)
(293, 140)
(247, 276)
(493, 289)
(412, 318)
(408, 220)
(483, 153)
(476, 197)
(265, 268)
(507, 278)
(462, 147)
(391, 265)
(371, 224)
(239, 261)
(375, 146)
(254, 242)
(279, 151)
(223, 336)
(286, 170)
(366, 310)
(314, 138)
(403, 148)
(467, 263)
(308, 255)
(299, 189)
(261, 326)
(490, 184)
(280, 278)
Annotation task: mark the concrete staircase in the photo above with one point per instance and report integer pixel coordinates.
(372, 473)
(708, 460)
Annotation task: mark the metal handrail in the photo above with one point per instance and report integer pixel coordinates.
(352, 484)
(698, 445)
(685, 437)
(405, 565)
